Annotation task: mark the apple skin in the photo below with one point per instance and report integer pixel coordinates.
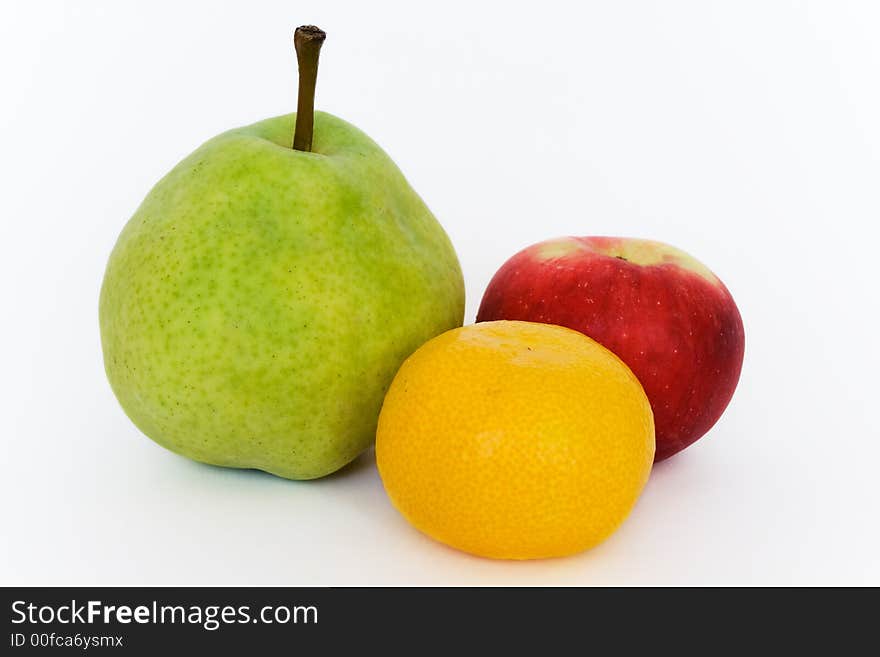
(663, 313)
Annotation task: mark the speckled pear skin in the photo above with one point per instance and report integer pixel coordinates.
(259, 302)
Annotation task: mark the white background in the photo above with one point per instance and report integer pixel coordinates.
(747, 133)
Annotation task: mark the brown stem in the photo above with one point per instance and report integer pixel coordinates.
(307, 40)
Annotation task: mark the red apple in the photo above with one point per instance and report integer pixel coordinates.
(660, 310)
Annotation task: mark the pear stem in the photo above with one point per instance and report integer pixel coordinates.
(307, 40)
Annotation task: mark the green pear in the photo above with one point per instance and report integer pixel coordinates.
(259, 302)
